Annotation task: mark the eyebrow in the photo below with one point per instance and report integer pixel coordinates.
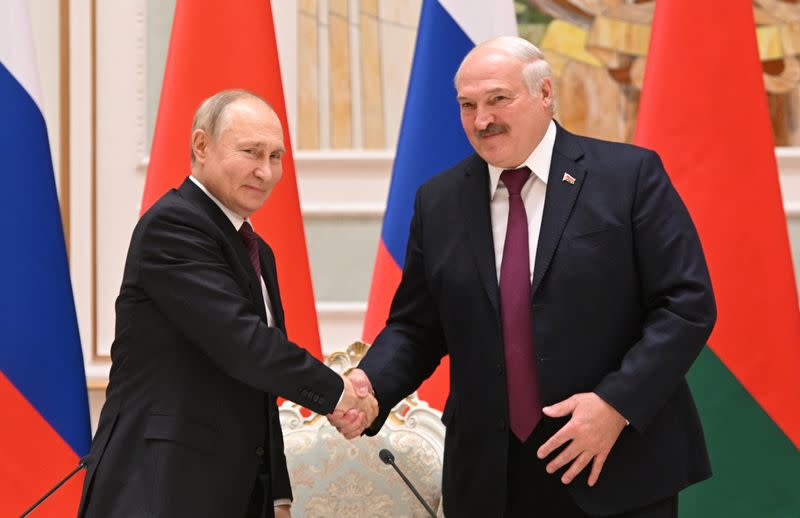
(496, 90)
(488, 92)
(258, 144)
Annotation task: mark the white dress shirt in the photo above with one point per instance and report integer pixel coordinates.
(533, 193)
(237, 221)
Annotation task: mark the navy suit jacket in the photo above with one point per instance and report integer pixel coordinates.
(621, 305)
(190, 425)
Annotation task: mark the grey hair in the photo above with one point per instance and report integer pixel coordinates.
(208, 116)
(535, 67)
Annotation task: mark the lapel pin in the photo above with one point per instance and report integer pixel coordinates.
(568, 178)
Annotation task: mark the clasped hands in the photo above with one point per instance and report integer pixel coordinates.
(587, 438)
(358, 406)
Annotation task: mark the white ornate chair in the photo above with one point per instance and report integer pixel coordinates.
(333, 477)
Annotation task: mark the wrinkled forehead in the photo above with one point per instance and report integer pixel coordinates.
(481, 85)
(487, 65)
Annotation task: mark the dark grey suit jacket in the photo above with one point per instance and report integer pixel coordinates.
(190, 425)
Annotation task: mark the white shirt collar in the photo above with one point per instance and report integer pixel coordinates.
(538, 161)
(236, 220)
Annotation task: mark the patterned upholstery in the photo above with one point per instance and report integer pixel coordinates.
(333, 477)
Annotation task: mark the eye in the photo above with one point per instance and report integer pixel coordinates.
(275, 156)
(499, 98)
(465, 105)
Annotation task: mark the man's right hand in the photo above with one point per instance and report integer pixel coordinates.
(358, 407)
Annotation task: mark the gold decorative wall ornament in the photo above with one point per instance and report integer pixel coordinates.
(598, 51)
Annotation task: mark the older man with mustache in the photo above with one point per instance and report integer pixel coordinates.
(564, 277)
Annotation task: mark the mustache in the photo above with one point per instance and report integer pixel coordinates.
(492, 129)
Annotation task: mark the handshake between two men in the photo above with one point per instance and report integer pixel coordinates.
(357, 408)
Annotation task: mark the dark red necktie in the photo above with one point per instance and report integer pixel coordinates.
(524, 404)
(251, 245)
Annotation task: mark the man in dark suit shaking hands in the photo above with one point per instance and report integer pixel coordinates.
(564, 277)
(190, 424)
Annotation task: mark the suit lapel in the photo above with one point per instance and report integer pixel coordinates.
(478, 221)
(193, 193)
(559, 200)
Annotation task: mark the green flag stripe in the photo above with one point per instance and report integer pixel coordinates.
(756, 467)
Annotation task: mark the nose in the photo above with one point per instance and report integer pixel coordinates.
(264, 171)
(483, 117)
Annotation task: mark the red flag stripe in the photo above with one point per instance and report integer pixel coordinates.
(704, 109)
(385, 280)
(212, 49)
(35, 458)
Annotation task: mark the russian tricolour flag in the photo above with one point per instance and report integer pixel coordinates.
(431, 140)
(44, 413)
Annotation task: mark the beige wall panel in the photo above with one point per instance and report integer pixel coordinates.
(398, 34)
(793, 225)
(120, 150)
(308, 7)
(159, 25)
(339, 40)
(341, 252)
(44, 17)
(400, 12)
(371, 87)
(369, 7)
(308, 93)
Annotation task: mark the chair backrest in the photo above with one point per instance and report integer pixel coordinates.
(334, 477)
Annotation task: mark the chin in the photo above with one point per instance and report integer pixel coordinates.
(495, 157)
(498, 161)
(254, 205)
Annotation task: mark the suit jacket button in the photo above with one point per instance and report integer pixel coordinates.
(499, 369)
(502, 424)
(260, 451)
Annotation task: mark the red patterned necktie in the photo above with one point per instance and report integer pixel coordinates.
(251, 244)
(524, 403)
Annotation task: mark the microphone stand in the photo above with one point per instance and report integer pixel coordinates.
(388, 458)
(81, 464)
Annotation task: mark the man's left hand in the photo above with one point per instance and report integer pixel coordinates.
(593, 429)
(283, 511)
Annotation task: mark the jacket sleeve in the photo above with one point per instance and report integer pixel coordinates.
(679, 308)
(410, 347)
(188, 277)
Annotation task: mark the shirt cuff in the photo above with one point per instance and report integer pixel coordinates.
(282, 501)
(340, 397)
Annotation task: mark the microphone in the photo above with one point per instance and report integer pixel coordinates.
(85, 461)
(388, 458)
